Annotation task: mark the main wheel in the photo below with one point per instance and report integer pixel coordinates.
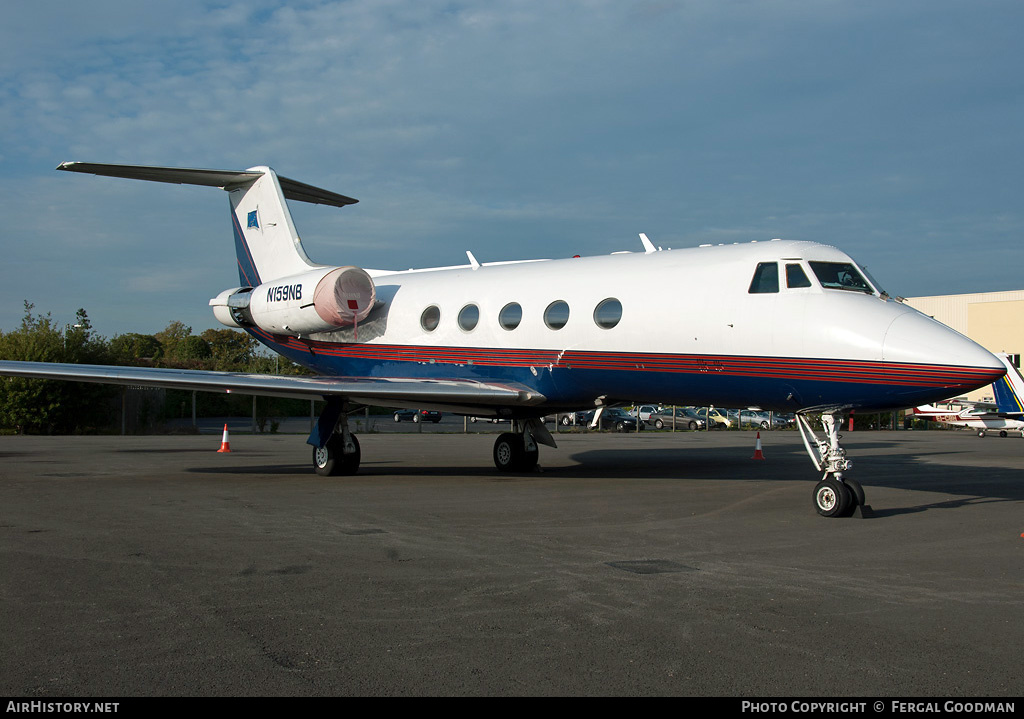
(832, 498)
(508, 451)
(331, 460)
(510, 455)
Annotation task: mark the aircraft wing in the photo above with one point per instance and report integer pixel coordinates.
(452, 394)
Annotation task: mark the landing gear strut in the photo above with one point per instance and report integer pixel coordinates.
(335, 449)
(517, 451)
(835, 495)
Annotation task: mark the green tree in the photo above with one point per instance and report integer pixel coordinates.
(40, 406)
(134, 349)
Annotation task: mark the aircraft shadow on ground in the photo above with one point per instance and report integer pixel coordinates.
(875, 465)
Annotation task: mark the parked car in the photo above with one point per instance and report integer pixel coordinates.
(766, 420)
(614, 418)
(684, 419)
(718, 417)
(645, 411)
(492, 420)
(417, 415)
(569, 418)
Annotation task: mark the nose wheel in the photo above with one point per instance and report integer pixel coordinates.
(838, 497)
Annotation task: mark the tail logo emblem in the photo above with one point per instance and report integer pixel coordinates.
(253, 221)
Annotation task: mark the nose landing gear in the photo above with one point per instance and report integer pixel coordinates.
(835, 495)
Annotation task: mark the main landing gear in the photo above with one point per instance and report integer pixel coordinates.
(836, 495)
(335, 449)
(517, 451)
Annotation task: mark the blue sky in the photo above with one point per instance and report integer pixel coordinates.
(514, 129)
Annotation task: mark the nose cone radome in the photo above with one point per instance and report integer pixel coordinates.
(917, 339)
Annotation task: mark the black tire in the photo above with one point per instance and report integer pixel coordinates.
(566, 421)
(508, 452)
(692, 425)
(1002, 433)
(981, 433)
(856, 492)
(764, 424)
(658, 424)
(416, 418)
(398, 417)
(331, 461)
(620, 426)
(832, 498)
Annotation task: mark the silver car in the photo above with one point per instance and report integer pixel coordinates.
(684, 419)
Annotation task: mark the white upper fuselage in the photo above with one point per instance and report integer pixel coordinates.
(687, 301)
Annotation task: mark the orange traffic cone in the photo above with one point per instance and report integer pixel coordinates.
(225, 445)
(757, 448)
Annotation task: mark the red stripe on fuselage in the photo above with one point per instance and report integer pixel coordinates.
(852, 371)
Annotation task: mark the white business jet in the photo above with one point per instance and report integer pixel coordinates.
(787, 326)
(1006, 416)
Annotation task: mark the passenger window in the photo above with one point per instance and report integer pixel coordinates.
(796, 277)
(510, 316)
(608, 313)
(556, 315)
(766, 278)
(430, 318)
(468, 317)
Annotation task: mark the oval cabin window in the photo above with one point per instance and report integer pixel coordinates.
(430, 318)
(557, 314)
(468, 318)
(608, 313)
(510, 316)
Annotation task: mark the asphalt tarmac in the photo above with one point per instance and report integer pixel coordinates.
(651, 564)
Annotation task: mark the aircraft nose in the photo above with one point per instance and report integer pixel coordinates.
(918, 339)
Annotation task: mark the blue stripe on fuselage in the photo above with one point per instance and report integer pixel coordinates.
(577, 388)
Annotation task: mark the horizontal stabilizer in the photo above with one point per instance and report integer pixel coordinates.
(225, 179)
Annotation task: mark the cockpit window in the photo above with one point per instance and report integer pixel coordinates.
(766, 278)
(874, 282)
(796, 277)
(840, 276)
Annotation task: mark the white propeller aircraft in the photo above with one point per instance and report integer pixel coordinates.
(1008, 414)
(787, 326)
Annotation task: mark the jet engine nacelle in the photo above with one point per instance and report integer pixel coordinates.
(318, 301)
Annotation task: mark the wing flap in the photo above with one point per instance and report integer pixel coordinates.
(390, 391)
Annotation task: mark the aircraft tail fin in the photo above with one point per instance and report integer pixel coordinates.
(1009, 389)
(266, 243)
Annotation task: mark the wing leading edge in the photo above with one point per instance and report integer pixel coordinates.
(451, 394)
